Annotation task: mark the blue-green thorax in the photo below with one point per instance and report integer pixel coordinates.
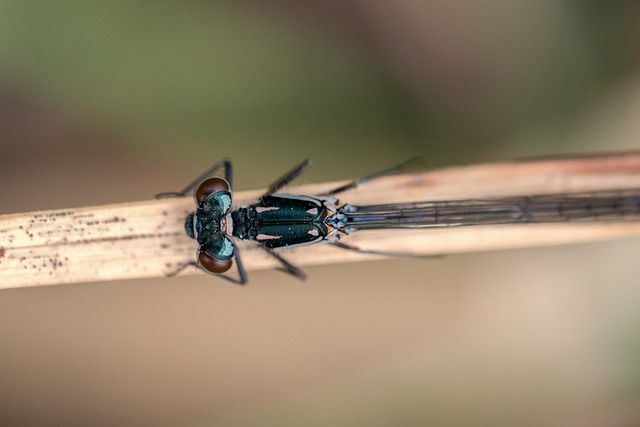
(282, 220)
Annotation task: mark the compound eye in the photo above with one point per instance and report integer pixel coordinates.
(210, 186)
(214, 265)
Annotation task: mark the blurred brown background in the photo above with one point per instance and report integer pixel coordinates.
(105, 102)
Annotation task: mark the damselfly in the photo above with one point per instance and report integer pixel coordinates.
(277, 220)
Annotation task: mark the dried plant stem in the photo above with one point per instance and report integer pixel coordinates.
(147, 239)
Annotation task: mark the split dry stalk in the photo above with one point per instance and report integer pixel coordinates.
(147, 239)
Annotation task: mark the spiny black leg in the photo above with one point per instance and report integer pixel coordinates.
(288, 267)
(242, 279)
(242, 273)
(287, 178)
(352, 248)
(402, 167)
(182, 268)
(228, 175)
(357, 249)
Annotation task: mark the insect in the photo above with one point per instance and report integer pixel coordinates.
(274, 221)
(277, 220)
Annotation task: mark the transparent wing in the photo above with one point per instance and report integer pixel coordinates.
(602, 206)
(400, 229)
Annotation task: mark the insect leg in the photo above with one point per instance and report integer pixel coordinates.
(402, 167)
(242, 273)
(352, 248)
(222, 164)
(181, 268)
(287, 266)
(287, 178)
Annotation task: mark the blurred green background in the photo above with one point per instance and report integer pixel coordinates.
(105, 102)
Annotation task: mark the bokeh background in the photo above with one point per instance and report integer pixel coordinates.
(104, 102)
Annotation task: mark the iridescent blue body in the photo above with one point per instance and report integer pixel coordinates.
(283, 220)
(274, 222)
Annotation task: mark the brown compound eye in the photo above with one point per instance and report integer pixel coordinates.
(214, 265)
(210, 186)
